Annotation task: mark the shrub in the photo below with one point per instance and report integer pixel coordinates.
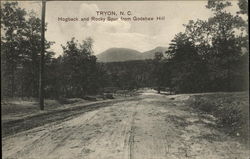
(230, 109)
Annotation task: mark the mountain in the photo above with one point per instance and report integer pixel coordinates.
(124, 54)
(119, 54)
(151, 53)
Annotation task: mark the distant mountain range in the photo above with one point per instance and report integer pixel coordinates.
(125, 54)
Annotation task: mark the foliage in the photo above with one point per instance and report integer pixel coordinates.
(12, 23)
(129, 74)
(230, 109)
(77, 72)
(20, 51)
(208, 55)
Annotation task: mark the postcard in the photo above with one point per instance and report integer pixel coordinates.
(125, 79)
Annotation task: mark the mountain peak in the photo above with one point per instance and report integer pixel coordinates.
(151, 53)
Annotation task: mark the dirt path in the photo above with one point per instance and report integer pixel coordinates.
(151, 127)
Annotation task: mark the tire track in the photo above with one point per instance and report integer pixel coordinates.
(131, 140)
(70, 133)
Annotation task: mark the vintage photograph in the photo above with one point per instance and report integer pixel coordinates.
(125, 79)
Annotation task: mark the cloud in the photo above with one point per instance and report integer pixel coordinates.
(118, 26)
(141, 36)
(135, 41)
(105, 34)
(88, 9)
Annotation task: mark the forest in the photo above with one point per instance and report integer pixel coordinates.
(209, 56)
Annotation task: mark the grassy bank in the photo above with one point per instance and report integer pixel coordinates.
(230, 109)
(16, 108)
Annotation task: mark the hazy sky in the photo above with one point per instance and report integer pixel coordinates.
(141, 36)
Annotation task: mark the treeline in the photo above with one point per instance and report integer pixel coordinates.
(20, 51)
(212, 54)
(129, 74)
(73, 74)
(76, 73)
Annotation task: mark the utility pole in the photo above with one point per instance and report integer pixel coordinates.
(41, 73)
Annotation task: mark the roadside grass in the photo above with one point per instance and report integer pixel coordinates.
(230, 109)
(16, 108)
(24, 105)
(13, 108)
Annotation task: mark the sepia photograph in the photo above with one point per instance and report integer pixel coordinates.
(164, 79)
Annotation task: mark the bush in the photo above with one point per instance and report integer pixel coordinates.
(204, 105)
(230, 109)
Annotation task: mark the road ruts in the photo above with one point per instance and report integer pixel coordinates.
(150, 126)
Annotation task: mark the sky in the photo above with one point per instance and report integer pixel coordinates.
(141, 36)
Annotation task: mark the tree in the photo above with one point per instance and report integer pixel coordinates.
(206, 56)
(12, 23)
(81, 74)
(227, 31)
(20, 50)
(31, 54)
(187, 67)
(243, 5)
(158, 68)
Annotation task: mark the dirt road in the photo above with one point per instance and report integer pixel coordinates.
(152, 127)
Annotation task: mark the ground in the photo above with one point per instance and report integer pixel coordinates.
(148, 126)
